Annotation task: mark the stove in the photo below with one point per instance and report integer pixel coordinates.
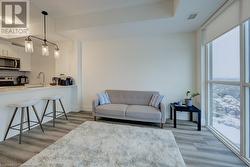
(7, 81)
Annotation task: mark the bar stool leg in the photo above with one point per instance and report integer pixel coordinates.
(21, 126)
(38, 118)
(54, 112)
(63, 109)
(12, 118)
(45, 110)
(28, 117)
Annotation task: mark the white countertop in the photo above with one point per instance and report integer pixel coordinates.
(19, 89)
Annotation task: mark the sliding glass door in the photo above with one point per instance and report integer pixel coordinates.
(224, 85)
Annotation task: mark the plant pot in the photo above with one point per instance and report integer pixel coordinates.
(189, 102)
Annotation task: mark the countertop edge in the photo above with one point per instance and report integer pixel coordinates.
(23, 89)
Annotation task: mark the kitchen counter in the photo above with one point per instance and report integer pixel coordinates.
(15, 94)
(19, 89)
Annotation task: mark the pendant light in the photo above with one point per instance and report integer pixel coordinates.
(45, 49)
(56, 53)
(45, 44)
(29, 45)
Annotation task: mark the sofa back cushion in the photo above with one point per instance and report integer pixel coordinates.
(130, 97)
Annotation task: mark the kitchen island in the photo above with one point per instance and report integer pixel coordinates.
(15, 94)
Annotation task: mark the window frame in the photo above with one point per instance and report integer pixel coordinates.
(209, 81)
(245, 55)
(244, 83)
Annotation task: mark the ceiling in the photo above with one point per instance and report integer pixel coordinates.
(64, 8)
(105, 19)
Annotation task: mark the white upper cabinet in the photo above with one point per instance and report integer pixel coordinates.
(9, 50)
(6, 49)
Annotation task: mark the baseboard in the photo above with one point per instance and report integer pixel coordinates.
(86, 108)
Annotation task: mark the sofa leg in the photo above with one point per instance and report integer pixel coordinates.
(94, 118)
(161, 125)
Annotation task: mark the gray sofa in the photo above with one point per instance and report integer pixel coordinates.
(131, 105)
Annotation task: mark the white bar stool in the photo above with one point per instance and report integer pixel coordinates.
(54, 112)
(22, 106)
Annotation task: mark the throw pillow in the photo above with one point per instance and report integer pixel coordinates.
(107, 99)
(156, 100)
(103, 98)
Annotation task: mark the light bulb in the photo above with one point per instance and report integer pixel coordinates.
(45, 49)
(56, 53)
(28, 45)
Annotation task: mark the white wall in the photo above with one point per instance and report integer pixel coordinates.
(63, 64)
(164, 63)
(69, 63)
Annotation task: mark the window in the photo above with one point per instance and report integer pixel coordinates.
(224, 86)
(225, 52)
(247, 87)
(228, 92)
(225, 111)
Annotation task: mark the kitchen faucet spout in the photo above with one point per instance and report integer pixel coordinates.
(39, 76)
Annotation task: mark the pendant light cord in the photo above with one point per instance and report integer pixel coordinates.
(44, 26)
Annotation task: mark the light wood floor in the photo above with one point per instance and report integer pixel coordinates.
(199, 149)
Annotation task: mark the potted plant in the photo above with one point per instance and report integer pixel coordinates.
(189, 97)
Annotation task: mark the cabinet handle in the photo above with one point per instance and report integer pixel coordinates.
(15, 63)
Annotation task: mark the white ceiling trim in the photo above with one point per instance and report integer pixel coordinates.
(161, 9)
(126, 19)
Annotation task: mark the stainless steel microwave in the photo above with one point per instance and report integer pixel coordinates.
(9, 63)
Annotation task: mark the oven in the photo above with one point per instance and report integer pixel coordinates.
(9, 63)
(7, 81)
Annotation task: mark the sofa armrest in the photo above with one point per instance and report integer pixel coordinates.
(95, 103)
(163, 109)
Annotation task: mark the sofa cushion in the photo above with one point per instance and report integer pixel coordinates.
(143, 112)
(130, 97)
(112, 109)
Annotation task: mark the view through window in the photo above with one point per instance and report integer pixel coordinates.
(224, 85)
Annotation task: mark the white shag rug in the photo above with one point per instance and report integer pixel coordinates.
(95, 144)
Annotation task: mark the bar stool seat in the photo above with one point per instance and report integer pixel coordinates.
(22, 105)
(53, 98)
(26, 103)
(54, 114)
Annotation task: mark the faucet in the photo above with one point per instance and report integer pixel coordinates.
(39, 76)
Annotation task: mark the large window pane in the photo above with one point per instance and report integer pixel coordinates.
(247, 92)
(225, 111)
(247, 47)
(247, 118)
(225, 56)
